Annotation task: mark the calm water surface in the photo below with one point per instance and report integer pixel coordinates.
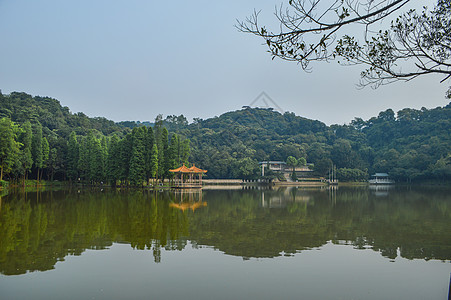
(348, 243)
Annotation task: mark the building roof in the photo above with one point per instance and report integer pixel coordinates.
(273, 162)
(194, 169)
(380, 175)
(184, 169)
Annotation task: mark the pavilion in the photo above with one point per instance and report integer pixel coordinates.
(186, 177)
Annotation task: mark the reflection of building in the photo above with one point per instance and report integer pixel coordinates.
(280, 198)
(282, 167)
(381, 190)
(188, 205)
(188, 199)
(380, 178)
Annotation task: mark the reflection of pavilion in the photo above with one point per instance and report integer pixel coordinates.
(188, 199)
(186, 177)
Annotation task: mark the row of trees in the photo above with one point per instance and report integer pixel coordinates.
(142, 154)
(410, 145)
(23, 149)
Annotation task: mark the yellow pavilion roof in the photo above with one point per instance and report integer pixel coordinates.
(184, 169)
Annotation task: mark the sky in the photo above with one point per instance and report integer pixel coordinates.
(135, 59)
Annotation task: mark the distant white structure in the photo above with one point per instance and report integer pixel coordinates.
(282, 167)
(381, 178)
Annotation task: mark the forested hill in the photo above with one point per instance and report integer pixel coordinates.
(21, 107)
(410, 145)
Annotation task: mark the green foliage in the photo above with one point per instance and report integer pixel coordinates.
(345, 174)
(247, 168)
(38, 158)
(302, 161)
(45, 151)
(72, 156)
(9, 147)
(163, 155)
(292, 162)
(25, 138)
(410, 145)
(154, 161)
(149, 143)
(137, 161)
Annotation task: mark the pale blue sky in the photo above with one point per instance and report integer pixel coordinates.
(134, 59)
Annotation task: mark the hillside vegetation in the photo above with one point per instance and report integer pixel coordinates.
(411, 145)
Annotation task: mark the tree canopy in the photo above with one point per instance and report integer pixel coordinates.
(416, 43)
(410, 145)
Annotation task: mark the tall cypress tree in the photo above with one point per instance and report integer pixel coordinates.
(26, 139)
(137, 161)
(95, 161)
(104, 149)
(37, 149)
(154, 161)
(149, 142)
(72, 156)
(45, 152)
(173, 152)
(52, 162)
(83, 159)
(124, 157)
(163, 155)
(113, 164)
(9, 147)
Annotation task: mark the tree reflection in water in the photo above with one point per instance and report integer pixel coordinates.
(37, 229)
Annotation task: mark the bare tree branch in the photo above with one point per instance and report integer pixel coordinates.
(416, 44)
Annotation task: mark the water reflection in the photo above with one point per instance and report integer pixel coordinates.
(37, 229)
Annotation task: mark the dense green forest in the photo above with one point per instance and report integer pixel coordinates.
(40, 139)
(412, 145)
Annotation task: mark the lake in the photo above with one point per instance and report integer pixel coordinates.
(235, 243)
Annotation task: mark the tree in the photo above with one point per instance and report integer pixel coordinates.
(163, 157)
(302, 161)
(83, 159)
(292, 162)
(37, 150)
(173, 152)
(185, 152)
(45, 151)
(52, 162)
(125, 153)
(104, 156)
(154, 161)
(26, 138)
(137, 161)
(149, 143)
(247, 168)
(416, 43)
(95, 160)
(9, 147)
(113, 162)
(72, 156)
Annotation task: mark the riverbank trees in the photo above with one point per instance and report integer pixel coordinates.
(411, 145)
(93, 158)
